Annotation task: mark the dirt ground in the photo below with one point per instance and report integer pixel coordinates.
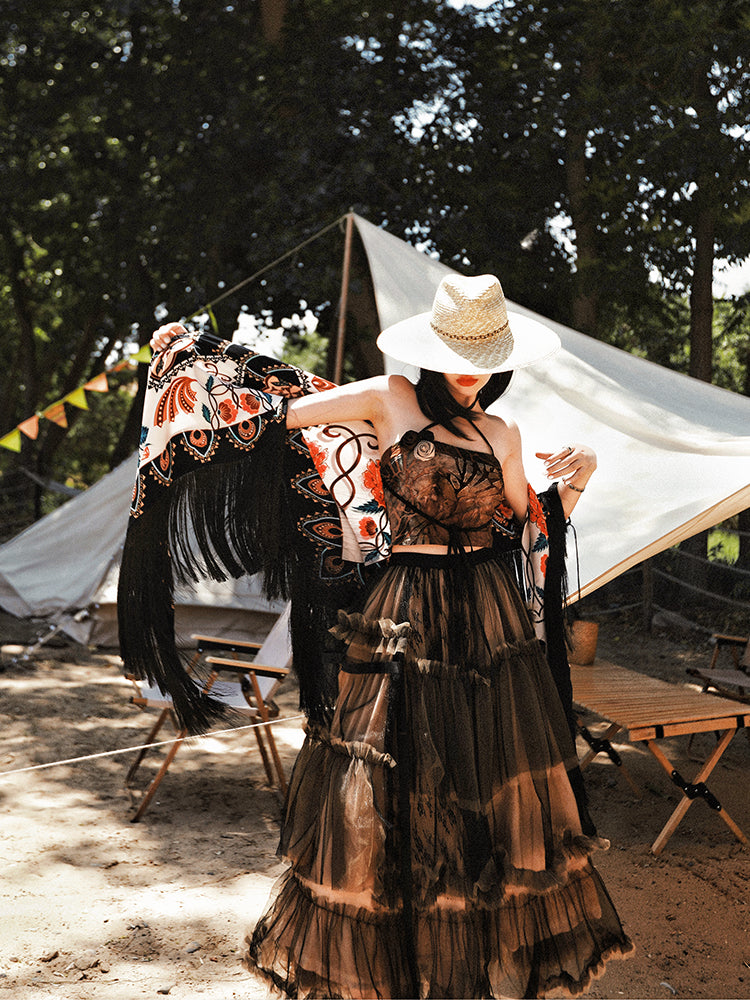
(94, 906)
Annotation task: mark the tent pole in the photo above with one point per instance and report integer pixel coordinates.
(338, 367)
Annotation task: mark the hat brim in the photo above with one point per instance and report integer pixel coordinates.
(414, 342)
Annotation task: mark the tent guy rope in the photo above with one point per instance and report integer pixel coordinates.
(147, 746)
(56, 411)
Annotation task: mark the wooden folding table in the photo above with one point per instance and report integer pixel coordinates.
(639, 707)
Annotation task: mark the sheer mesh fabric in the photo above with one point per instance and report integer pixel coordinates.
(435, 843)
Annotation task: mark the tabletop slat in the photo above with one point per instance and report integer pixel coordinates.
(640, 703)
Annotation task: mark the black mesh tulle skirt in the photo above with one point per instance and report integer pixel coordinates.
(434, 841)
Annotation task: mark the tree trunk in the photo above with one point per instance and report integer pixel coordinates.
(26, 369)
(272, 14)
(743, 518)
(131, 431)
(743, 525)
(701, 295)
(706, 201)
(54, 435)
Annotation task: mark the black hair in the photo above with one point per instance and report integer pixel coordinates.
(438, 404)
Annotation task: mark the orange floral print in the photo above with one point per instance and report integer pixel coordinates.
(227, 411)
(373, 482)
(249, 403)
(368, 527)
(319, 457)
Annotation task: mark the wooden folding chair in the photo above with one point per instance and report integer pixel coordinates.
(733, 682)
(249, 693)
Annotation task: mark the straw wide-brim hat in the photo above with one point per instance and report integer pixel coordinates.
(468, 331)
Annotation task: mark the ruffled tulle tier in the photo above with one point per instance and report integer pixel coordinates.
(435, 842)
(318, 944)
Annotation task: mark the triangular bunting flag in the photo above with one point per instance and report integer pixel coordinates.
(56, 413)
(11, 441)
(144, 355)
(77, 398)
(121, 365)
(98, 383)
(30, 427)
(214, 324)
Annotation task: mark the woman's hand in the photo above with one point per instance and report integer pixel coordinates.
(574, 465)
(162, 337)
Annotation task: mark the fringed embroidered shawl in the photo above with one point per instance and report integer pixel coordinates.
(223, 489)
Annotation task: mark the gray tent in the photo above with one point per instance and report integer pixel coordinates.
(64, 568)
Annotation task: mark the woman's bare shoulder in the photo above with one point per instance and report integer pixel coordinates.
(503, 425)
(504, 433)
(383, 385)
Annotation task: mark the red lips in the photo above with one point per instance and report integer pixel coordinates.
(467, 380)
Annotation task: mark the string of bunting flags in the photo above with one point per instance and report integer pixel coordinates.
(55, 412)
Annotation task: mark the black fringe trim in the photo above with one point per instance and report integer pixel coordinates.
(226, 520)
(555, 592)
(220, 520)
(146, 619)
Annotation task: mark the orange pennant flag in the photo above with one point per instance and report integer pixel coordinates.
(30, 427)
(98, 383)
(56, 413)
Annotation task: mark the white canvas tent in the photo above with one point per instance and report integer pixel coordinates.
(673, 452)
(68, 563)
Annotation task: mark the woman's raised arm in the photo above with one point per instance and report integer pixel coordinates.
(363, 400)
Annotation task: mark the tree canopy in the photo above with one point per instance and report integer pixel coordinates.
(153, 154)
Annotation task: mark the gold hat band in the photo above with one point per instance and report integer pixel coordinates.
(473, 338)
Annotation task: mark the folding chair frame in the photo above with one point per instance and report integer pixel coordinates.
(248, 672)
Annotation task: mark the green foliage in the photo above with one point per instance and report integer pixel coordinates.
(83, 455)
(723, 545)
(156, 154)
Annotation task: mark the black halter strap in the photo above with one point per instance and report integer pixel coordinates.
(478, 429)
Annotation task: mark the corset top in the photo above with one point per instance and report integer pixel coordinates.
(436, 493)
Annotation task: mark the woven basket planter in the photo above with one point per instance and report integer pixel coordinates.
(583, 636)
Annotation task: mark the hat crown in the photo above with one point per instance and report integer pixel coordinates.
(468, 331)
(470, 315)
(465, 300)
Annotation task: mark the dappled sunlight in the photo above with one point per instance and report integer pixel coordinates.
(126, 910)
(293, 738)
(131, 909)
(25, 685)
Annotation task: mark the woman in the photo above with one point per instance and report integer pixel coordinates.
(437, 846)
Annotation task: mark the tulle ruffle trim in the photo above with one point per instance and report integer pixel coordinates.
(386, 639)
(313, 946)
